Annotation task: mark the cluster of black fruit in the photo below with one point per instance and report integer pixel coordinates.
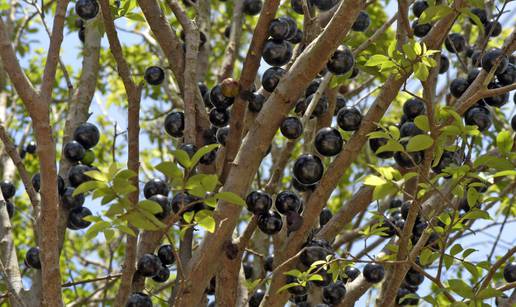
(269, 221)
(30, 148)
(86, 10)
(157, 190)
(77, 151)
(155, 267)
(8, 192)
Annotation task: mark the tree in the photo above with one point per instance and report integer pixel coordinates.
(251, 152)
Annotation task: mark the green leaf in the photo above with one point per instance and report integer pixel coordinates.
(384, 190)
(476, 20)
(422, 122)
(391, 145)
(504, 142)
(376, 60)
(434, 13)
(188, 216)
(202, 151)
(94, 229)
(421, 71)
(294, 272)
(230, 197)
(315, 277)
(150, 206)
(409, 51)
(88, 186)
(287, 286)
(109, 234)
(126, 229)
(374, 180)
(461, 288)
(476, 214)
(182, 157)
(472, 197)
(457, 248)
(419, 142)
(123, 186)
(96, 175)
(169, 169)
(488, 293)
(205, 219)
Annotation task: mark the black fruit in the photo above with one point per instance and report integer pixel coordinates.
(490, 58)
(373, 272)
(252, 7)
(493, 28)
(297, 38)
(76, 218)
(166, 254)
(414, 278)
(419, 7)
(414, 107)
(256, 298)
(326, 280)
(190, 149)
(288, 201)
(36, 183)
(481, 14)
(478, 115)
(325, 216)
(70, 201)
(268, 264)
(302, 187)
(421, 30)
(8, 189)
(349, 118)
(270, 222)
(256, 102)
(149, 265)
(339, 104)
(496, 101)
(513, 123)
(407, 160)
(87, 134)
(297, 6)
(409, 129)
(222, 134)
(258, 202)
(473, 74)
(320, 108)
(458, 87)
(10, 209)
(74, 151)
(351, 274)
(271, 77)
(164, 203)
(312, 87)
(248, 270)
(324, 5)
(279, 29)
(328, 141)
(334, 293)
(277, 52)
(362, 22)
(162, 276)
(376, 143)
(447, 158)
(401, 300)
(308, 169)
(77, 176)
(295, 290)
(218, 100)
(138, 299)
(219, 117)
(175, 124)
(509, 272)
(32, 258)
(86, 9)
(508, 77)
(291, 128)
(154, 75)
(455, 43)
(313, 253)
(341, 61)
(444, 64)
(31, 147)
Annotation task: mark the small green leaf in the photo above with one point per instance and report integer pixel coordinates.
(88, 186)
(504, 142)
(202, 151)
(421, 71)
(419, 142)
(96, 175)
(182, 157)
(376, 60)
(422, 122)
(374, 180)
(391, 145)
(205, 219)
(150, 206)
(434, 13)
(461, 288)
(169, 169)
(230, 197)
